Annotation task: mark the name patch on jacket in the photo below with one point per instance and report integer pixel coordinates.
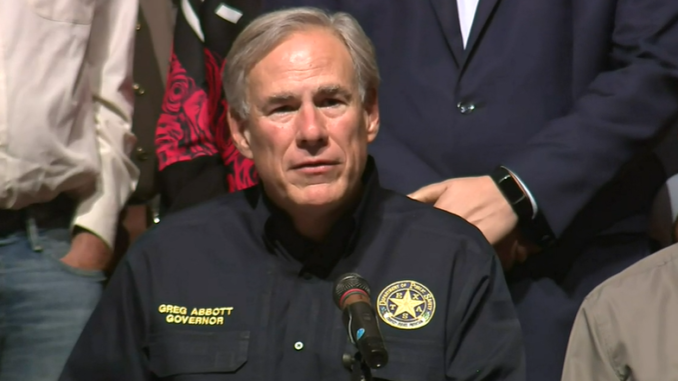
(195, 316)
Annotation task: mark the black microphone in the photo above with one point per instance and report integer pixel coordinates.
(352, 295)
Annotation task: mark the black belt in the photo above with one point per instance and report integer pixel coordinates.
(51, 214)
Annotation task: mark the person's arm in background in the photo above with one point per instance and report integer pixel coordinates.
(110, 54)
(196, 158)
(618, 117)
(588, 352)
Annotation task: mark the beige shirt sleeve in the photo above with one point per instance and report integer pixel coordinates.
(627, 328)
(588, 352)
(110, 54)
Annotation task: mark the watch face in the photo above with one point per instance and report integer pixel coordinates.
(511, 189)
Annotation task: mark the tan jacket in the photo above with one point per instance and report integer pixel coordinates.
(627, 328)
(151, 63)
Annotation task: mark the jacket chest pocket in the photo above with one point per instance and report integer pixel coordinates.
(197, 356)
(412, 360)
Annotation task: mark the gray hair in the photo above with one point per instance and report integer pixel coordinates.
(269, 30)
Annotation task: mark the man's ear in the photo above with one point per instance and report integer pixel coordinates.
(240, 134)
(371, 107)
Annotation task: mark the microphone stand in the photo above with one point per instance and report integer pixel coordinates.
(359, 370)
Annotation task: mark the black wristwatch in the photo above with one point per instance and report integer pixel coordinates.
(534, 228)
(513, 192)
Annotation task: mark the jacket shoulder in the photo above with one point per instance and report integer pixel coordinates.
(425, 218)
(638, 281)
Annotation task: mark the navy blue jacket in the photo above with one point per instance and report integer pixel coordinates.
(229, 291)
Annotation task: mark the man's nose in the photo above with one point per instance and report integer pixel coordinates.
(311, 129)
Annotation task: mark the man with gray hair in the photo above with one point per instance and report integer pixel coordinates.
(241, 287)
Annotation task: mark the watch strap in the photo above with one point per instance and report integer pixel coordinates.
(536, 229)
(513, 193)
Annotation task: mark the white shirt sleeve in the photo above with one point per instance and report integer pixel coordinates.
(110, 54)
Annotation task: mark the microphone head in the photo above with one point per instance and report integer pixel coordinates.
(346, 283)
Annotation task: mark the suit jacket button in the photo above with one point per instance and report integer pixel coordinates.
(466, 108)
(138, 89)
(141, 154)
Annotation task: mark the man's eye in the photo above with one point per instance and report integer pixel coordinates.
(329, 103)
(282, 109)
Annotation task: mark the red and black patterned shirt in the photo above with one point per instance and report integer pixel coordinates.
(196, 156)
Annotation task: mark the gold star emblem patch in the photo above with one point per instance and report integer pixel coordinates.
(406, 304)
